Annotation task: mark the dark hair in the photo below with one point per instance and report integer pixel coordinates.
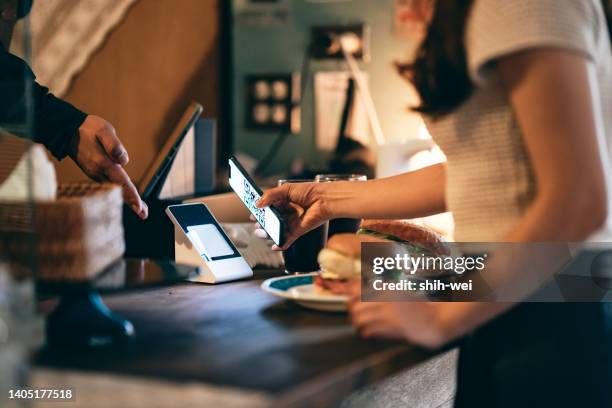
(440, 73)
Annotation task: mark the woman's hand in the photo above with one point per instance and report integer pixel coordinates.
(416, 322)
(303, 206)
(99, 153)
(410, 321)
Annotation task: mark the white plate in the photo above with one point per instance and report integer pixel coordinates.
(300, 289)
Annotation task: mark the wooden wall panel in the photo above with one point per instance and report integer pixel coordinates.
(163, 55)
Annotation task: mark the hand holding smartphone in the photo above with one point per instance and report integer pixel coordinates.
(269, 218)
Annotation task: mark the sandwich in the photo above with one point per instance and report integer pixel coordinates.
(340, 263)
(340, 260)
(417, 239)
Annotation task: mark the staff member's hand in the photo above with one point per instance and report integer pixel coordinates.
(99, 153)
(302, 205)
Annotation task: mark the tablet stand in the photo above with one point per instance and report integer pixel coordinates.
(81, 319)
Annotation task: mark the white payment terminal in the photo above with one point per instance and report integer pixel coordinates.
(200, 241)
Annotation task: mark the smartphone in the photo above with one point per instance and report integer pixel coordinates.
(269, 217)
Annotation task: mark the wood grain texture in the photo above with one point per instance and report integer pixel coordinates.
(236, 335)
(163, 55)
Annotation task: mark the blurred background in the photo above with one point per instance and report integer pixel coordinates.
(147, 59)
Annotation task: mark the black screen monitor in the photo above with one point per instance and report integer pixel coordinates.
(155, 175)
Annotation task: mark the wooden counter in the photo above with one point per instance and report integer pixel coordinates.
(235, 335)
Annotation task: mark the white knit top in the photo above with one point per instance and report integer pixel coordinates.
(490, 181)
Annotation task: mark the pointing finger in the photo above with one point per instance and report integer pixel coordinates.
(117, 174)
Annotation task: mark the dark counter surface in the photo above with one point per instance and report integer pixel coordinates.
(236, 335)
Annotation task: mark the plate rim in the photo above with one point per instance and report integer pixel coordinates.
(265, 286)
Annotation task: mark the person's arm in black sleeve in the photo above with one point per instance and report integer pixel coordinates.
(27, 109)
(55, 123)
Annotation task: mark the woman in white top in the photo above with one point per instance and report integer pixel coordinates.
(518, 95)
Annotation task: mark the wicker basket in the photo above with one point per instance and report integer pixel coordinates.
(73, 238)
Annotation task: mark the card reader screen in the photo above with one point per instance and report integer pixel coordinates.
(208, 240)
(204, 232)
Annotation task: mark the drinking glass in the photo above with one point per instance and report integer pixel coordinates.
(341, 225)
(301, 256)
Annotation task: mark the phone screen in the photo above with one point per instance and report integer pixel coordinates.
(203, 231)
(249, 193)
